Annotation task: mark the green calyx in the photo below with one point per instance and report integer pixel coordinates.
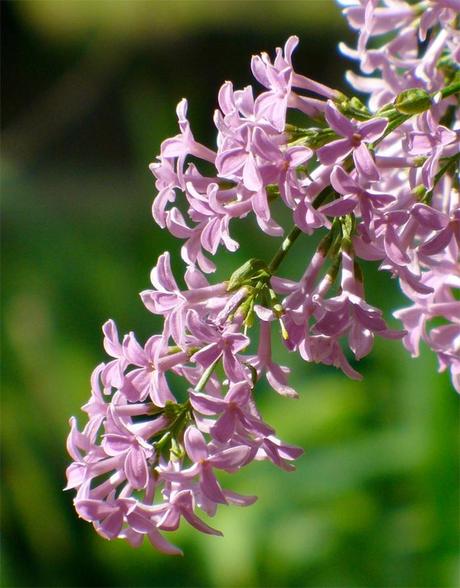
(273, 192)
(251, 272)
(355, 108)
(339, 237)
(170, 443)
(348, 224)
(313, 137)
(254, 276)
(419, 193)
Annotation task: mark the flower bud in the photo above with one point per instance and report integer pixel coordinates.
(355, 108)
(413, 101)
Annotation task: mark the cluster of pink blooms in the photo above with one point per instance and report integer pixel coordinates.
(377, 181)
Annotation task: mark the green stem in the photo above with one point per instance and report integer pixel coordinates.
(205, 376)
(183, 413)
(450, 90)
(393, 124)
(283, 250)
(446, 167)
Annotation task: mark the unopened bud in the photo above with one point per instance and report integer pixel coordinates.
(413, 101)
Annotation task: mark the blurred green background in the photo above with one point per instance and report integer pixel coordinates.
(88, 93)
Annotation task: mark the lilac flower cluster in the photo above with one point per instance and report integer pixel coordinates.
(417, 238)
(378, 182)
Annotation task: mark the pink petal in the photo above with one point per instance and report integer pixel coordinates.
(429, 217)
(437, 243)
(225, 426)
(365, 164)
(334, 151)
(251, 175)
(230, 459)
(338, 122)
(136, 468)
(373, 129)
(210, 486)
(195, 445)
(160, 543)
(342, 182)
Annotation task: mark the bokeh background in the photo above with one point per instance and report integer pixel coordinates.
(89, 91)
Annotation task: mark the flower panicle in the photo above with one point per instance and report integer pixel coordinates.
(378, 181)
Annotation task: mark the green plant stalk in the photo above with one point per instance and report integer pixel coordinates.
(284, 249)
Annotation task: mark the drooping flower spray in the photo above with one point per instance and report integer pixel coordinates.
(379, 181)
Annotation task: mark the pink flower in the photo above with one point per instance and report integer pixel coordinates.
(356, 135)
(112, 373)
(236, 412)
(219, 343)
(129, 441)
(276, 375)
(349, 314)
(148, 379)
(204, 462)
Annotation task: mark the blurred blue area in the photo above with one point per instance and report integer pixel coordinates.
(89, 92)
